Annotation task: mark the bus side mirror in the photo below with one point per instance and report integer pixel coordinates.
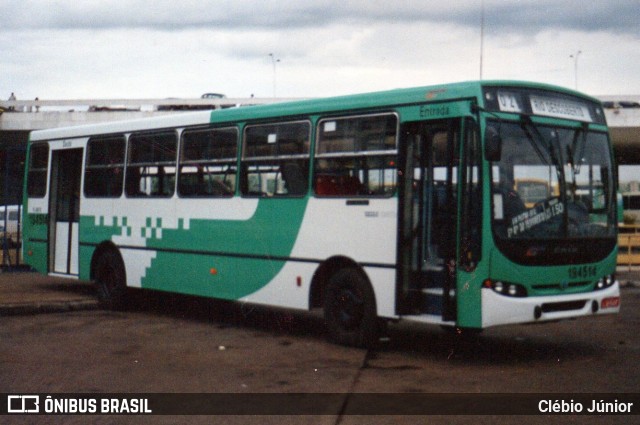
(493, 145)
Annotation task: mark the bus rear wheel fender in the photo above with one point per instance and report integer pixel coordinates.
(108, 272)
(323, 274)
(350, 309)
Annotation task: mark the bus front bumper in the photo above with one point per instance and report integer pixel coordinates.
(501, 310)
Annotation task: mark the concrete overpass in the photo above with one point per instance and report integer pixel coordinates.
(623, 117)
(28, 115)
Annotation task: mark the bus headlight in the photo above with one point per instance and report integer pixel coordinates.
(605, 282)
(506, 288)
(498, 287)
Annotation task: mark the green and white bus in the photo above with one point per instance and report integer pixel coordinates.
(397, 205)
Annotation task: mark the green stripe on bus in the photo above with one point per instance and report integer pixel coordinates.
(270, 233)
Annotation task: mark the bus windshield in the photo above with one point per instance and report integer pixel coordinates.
(551, 183)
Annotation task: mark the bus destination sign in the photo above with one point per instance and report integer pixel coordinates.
(559, 108)
(547, 106)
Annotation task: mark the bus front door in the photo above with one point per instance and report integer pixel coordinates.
(428, 220)
(64, 211)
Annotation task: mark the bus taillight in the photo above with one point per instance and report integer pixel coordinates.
(611, 302)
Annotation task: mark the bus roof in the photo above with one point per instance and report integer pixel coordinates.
(382, 99)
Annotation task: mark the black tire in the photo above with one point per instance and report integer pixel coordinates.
(350, 310)
(109, 274)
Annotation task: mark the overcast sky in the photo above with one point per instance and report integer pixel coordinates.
(168, 48)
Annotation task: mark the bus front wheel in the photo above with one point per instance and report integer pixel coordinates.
(111, 279)
(350, 309)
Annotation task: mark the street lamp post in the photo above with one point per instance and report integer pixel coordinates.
(575, 67)
(273, 62)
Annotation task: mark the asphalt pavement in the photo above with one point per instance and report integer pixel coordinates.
(33, 293)
(186, 351)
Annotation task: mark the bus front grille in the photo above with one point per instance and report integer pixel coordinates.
(563, 306)
(560, 286)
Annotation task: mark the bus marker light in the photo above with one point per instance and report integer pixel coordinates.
(299, 281)
(611, 302)
(213, 271)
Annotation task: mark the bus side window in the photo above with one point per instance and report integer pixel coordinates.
(356, 156)
(104, 171)
(275, 159)
(38, 166)
(208, 162)
(151, 164)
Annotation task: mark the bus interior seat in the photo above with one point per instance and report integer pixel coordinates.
(335, 185)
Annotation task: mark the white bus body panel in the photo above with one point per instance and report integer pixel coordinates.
(502, 310)
(365, 234)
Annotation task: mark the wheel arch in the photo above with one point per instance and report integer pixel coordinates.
(323, 274)
(101, 249)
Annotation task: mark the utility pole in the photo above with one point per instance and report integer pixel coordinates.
(273, 62)
(575, 67)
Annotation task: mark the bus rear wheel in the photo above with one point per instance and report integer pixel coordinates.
(110, 276)
(350, 309)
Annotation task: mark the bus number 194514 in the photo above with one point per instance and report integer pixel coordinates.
(582, 272)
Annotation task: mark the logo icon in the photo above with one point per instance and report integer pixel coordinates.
(23, 404)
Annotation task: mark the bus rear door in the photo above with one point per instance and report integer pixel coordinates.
(64, 210)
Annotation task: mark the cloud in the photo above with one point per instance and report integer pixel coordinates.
(619, 17)
(135, 48)
(523, 16)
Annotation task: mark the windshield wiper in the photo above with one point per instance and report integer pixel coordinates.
(553, 153)
(576, 150)
(535, 142)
